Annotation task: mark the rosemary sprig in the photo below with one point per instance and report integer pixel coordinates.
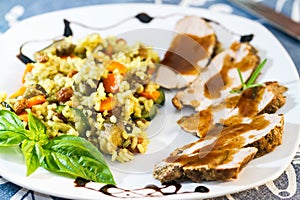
(250, 83)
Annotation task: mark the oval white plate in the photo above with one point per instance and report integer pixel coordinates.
(165, 134)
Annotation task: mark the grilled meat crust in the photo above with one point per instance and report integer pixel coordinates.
(269, 141)
(279, 98)
(188, 162)
(167, 172)
(218, 174)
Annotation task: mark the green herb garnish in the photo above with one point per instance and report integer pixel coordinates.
(65, 154)
(250, 83)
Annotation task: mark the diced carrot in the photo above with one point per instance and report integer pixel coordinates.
(23, 116)
(151, 95)
(140, 140)
(72, 73)
(112, 82)
(113, 65)
(28, 69)
(107, 104)
(36, 100)
(19, 92)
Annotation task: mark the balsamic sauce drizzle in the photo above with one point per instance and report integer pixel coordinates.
(22, 57)
(166, 189)
(243, 38)
(246, 38)
(67, 31)
(142, 17)
(98, 28)
(25, 59)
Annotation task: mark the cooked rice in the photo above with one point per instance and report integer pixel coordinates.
(113, 132)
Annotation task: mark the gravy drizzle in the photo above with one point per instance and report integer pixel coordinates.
(147, 191)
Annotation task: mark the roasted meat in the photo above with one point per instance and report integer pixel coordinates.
(204, 166)
(189, 52)
(221, 76)
(236, 108)
(223, 152)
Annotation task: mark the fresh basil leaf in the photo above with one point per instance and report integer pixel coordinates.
(74, 146)
(12, 131)
(78, 150)
(65, 154)
(78, 166)
(37, 128)
(94, 170)
(35, 124)
(10, 121)
(33, 154)
(9, 138)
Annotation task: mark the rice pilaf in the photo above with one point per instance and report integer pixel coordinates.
(97, 88)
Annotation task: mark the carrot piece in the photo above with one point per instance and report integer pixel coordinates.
(72, 73)
(19, 92)
(28, 69)
(36, 100)
(107, 104)
(116, 65)
(112, 82)
(151, 95)
(23, 116)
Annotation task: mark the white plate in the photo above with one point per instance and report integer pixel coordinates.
(166, 135)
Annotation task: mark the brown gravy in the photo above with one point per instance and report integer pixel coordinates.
(229, 140)
(221, 80)
(185, 51)
(249, 101)
(200, 122)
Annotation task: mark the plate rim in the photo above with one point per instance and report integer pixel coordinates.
(186, 8)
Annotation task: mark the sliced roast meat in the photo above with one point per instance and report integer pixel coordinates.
(262, 127)
(236, 108)
(218, 164)
(223, 152)
(221, 76)
(205, 166)
(189, 52)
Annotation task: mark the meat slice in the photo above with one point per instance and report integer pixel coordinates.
(264, 126)
(189, 52)
(236, 108)
(221, 76)
(223, 152)
(267, 98)
(219, 164)
(205, 166)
